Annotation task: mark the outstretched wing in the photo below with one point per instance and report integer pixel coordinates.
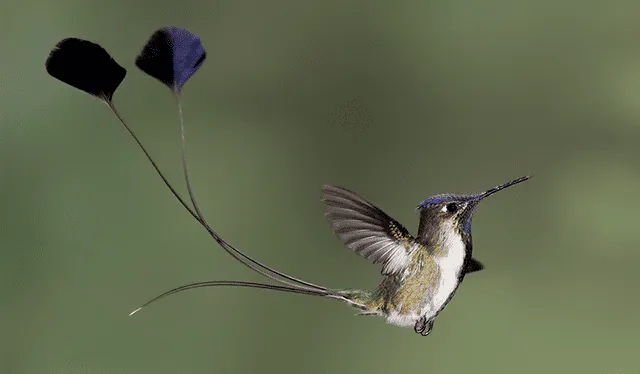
(367, 230)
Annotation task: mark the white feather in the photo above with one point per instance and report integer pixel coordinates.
(398, 259)
(450, 265)
(402, 320)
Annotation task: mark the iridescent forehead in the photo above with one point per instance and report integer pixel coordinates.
(445, 198)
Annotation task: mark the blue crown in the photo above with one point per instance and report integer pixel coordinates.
(444, 198)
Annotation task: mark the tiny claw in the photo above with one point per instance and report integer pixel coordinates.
(427, 329)
(423, 327)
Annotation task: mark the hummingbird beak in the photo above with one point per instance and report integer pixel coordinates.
(500, 187)
(465, 218)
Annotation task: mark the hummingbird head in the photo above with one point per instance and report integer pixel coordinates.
(454, 211)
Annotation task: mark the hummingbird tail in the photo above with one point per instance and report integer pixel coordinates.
(194, 211)
(265, 286)
(359, 299)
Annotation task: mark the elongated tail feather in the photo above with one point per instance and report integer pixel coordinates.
(191, 286)
(354, 298)
(172, 55)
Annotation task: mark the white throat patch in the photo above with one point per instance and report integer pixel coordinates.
(450, 264)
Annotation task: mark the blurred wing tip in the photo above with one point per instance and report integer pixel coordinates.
(331, 190)
(328, 191)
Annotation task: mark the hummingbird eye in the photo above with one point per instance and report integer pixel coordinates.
(450, 208)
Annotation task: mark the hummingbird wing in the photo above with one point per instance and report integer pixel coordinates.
(473, 265)
(367, 230)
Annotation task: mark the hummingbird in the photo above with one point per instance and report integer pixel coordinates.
(420, 274)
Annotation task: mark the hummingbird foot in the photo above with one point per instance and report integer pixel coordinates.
(423, 327)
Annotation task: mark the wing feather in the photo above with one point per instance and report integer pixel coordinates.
(367, 230)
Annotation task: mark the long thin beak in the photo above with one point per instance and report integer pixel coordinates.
(500, 187)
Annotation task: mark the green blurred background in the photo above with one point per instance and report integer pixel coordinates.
(396, 100)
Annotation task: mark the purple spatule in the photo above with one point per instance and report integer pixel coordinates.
(85, 66)
(89, 68)
(172, 55)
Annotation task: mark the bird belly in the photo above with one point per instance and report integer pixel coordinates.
(450, 268)
(402, 319)
(448, 284)
(434, 298)
(433, 302)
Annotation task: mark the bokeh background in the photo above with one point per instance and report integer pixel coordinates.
(395, 100)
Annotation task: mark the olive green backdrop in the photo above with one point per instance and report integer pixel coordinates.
(396, 100)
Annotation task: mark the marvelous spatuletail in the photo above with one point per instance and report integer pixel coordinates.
(420, 273)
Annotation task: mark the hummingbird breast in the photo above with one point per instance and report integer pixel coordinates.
(429, 283)
(451, 272)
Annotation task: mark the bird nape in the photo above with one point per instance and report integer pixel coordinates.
(420, 274)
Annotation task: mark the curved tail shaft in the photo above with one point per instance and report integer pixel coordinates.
(344, 296)
(289, 283)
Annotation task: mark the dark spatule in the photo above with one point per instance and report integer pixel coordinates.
(172, 55)
(86, 66)
(89, 68)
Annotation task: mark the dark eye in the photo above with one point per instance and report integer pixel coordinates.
(452, 207)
